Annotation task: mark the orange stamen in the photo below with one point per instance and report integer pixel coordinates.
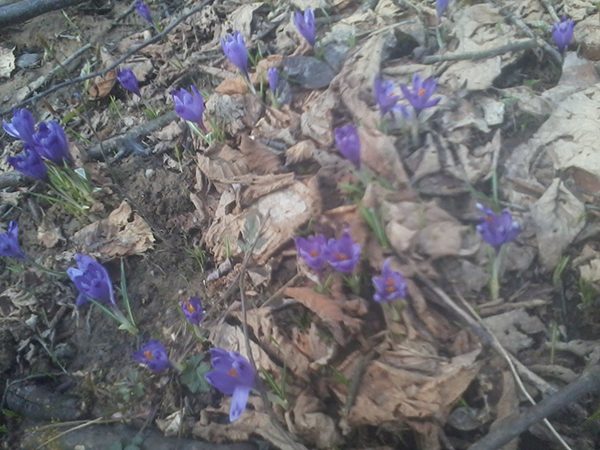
(340, 256)
(314, 253)
(389, 281)
(233, 373)
(189, 307)
(148, 355)
(390, 289)
(421, 92)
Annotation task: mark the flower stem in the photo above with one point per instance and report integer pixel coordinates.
(45, 269)
(495, 275)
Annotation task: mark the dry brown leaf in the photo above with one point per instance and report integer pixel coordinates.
(49, 234)
(329, 310)
(253, 421)
(277, 344)
(232, 86)
(280, 125)
(102, 86)
(309, 420)
(19, 297)
(316, 120)
(266, 184)
(378, 152)
(259, 158)
(301, 151)
(123, 233)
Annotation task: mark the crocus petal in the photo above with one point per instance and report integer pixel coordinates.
(239, 400)
(223, 382)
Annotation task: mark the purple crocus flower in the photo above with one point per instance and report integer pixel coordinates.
(9, 242)
(306, 25)
(422, 90)
(192, 310)
(342, 255)
(390, 285)
(22, 125)
(92, 281)
(129, 81)
(29, 163)
(154, 355)
(143, 11)
(387, 101)
(51, 143)
(233, 375)
(496, 229)
(348, 143)
(189, 107)
(234, 48)
(273, 78)
(441, 6)
(562, 32)
(312, 251)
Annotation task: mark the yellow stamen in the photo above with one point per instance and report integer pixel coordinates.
(340, 256)
(421, 92)
(189, 307)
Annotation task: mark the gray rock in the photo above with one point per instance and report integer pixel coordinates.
(310, 73)
(27, 60)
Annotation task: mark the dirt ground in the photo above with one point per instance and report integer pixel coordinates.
(179, 216)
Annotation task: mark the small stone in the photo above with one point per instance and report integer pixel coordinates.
(310, 73)
(27, 60)
(149, 173)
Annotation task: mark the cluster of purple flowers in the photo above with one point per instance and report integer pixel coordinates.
(342, 255)
(419, 95)
(49, 143)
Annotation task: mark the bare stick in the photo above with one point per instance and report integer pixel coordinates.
(588, 382)
(28, 9)
(122, 59)
(516, 47)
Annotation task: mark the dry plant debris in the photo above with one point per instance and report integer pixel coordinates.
(433, 164)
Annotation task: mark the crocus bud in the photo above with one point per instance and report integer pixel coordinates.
(348, 143)
(306, 25)
(192, 310)
(129, 81)
(189, 107)
(562, 32)
(29, 163)
(234, 48)
(273, 78)
(154, 355)
(143, 11)
(233, 375)
(441, 6)
(51, 143)
(22, 125)
(9, 242)
(92, 281)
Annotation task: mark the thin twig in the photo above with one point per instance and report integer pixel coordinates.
(550, 10)
(114, 65)
(512, 47)
(588, 382)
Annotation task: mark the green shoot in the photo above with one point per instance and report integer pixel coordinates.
(375, 224)
(113, 105)
(199, 255)
(339, 377)
(278, 389)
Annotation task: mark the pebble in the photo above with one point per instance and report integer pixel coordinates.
(310, 73)
(149, 173)
(27, 60)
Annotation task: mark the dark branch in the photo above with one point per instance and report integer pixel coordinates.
(28, 9)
